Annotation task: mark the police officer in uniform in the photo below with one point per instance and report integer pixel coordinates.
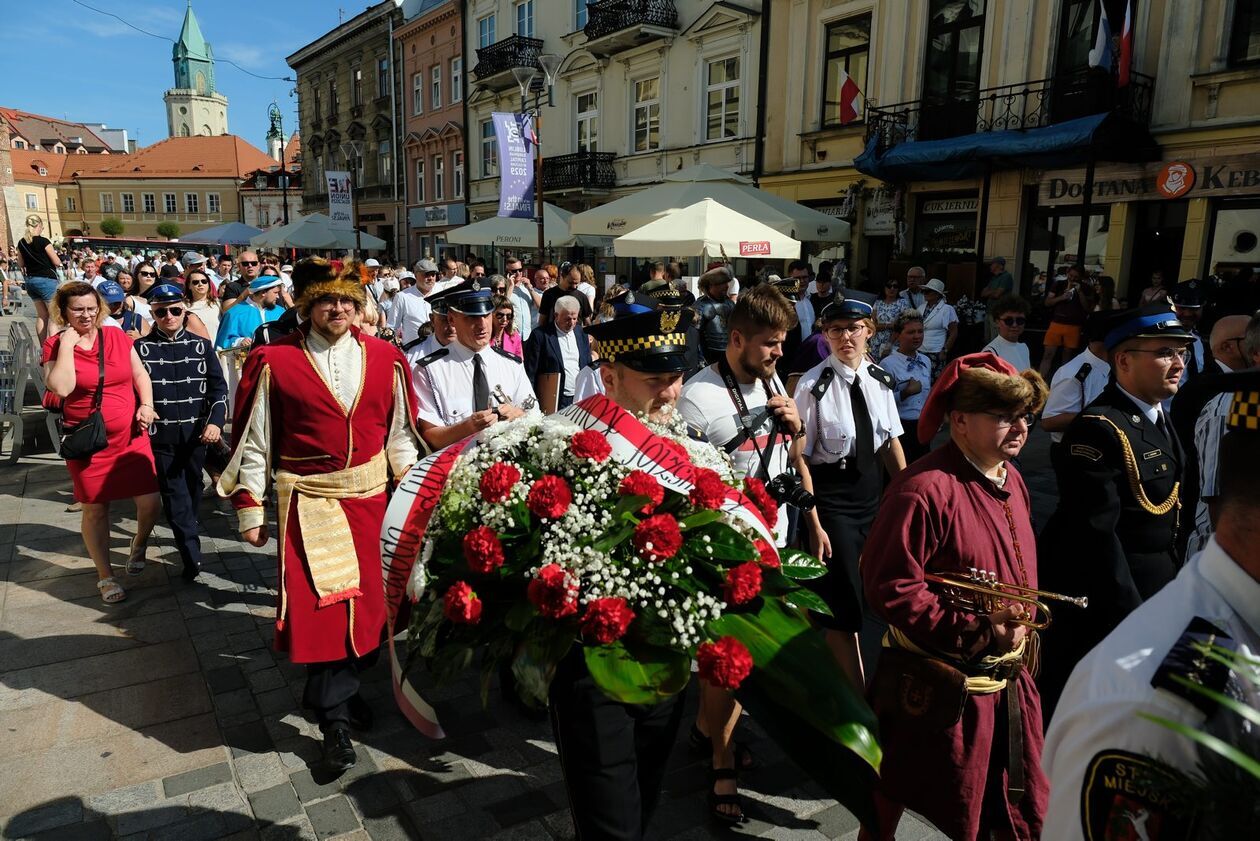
(1101, 751)
(614, 754)
(849, 414)
(439, 333)
(190, 398)
(468, 385)
(1119, 465)
(663, 294)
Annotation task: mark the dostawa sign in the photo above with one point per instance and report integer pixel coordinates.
(1205, 178)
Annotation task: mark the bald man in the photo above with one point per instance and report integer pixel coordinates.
(1226, 342)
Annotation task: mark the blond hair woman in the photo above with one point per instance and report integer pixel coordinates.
(39, 262)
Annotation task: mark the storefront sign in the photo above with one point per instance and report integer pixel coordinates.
(340, 207)
(436, 216)
(938, 206)
(1204, 178)
(880, 214)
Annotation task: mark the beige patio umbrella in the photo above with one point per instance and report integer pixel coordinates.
(501, 231)
(707, 229)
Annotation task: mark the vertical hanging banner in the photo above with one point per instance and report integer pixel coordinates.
(340, 201)
(516, 139)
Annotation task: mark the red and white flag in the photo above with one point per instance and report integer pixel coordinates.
(850, 99)
(1126, 47)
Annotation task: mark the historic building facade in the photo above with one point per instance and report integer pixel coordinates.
(194, 106)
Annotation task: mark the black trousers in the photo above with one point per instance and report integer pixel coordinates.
(613, 754)
(179, 480)
(330, 686)
(910, 441)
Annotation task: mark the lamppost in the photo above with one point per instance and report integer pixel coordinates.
(260, 185)
(352, 151)
(525, 76)
(277, 126)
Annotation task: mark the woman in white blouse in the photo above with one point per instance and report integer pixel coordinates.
(940, 326)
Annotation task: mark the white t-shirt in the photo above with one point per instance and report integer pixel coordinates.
(589, 291)
(1015, 353)
(588, 382)
(569, 357)
(936, 323)
(706, 404)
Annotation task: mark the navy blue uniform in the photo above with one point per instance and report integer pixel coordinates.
(189, 393)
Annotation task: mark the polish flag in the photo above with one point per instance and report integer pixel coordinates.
(849, 96)
(1126, 47)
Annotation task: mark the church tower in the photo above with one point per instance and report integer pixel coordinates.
(193, 106)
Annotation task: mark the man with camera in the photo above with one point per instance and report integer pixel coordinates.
(741, 406)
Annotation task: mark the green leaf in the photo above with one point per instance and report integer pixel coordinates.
(519, 615)
(808, 600)
(1225, 749)
(451, 659)
(1237, 707)
(644, 677)
(700, 518)
(801, 565)
(728, 544)
(613, 538)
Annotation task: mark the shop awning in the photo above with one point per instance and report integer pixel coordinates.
(1102, 137)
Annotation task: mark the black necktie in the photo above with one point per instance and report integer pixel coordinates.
(864, 440)
(1160, 425)
(481, 387)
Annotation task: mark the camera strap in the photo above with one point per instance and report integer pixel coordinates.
(745, 433)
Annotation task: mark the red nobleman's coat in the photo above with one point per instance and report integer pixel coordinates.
(311, 433)
(942, 515)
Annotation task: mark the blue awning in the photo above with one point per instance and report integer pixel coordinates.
(1102, 137)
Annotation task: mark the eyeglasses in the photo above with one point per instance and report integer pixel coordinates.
(498, 289)
(147, 274)
(163, 312)
(504, 316)
(199, 282)
(84, 310)
(1164, 354)
(334, 301)
(247, 262)
(515, 271)
(1007, 421)
(1014, 321)
(838, 332)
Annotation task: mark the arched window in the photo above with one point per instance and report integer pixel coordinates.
(183, 130)
(201, 82)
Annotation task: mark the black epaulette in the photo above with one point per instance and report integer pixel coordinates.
(824, 382)
(1083, 373)
(1188, 661)
(594, 364)
(425, 361)
(878, 373)
(507, 353)
(417, 340)
(695, 434)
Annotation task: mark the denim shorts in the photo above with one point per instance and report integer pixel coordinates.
(41, 288)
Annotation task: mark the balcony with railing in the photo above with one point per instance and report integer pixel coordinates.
(614, 26)
(1020, 107)
(495, 62)
(581, 172)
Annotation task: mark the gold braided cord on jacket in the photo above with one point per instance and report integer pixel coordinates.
(1135, 478)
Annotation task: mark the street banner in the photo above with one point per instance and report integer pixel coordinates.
(516, 140)
(340, 200)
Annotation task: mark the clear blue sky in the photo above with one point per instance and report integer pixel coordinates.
(66, 61)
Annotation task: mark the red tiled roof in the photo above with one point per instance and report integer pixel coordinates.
(293, 150)
(26, 164)
(223, 156)
(36, 128)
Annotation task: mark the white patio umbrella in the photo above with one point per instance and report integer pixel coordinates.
(315, 231)
(508, 231)
(688, 186)
(707, 229)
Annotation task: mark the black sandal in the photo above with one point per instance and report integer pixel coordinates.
(717, 801)
(699, 745)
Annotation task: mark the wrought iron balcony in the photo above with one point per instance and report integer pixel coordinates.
(579, 171)
(614, 26)
(495, 62)
(1010, 107)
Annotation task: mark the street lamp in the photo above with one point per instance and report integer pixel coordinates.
(260, 185)
(352, 151)
(525, 76)
(277, 126)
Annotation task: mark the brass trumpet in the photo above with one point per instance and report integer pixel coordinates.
(980, 592)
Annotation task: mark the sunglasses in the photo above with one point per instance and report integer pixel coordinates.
(163, 312)
(248, 263)
(499, 289)
(1014, 321)
(504, 316)
(147, 274)
(198, 282)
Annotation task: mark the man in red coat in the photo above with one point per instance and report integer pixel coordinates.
(959, 714)
(332, 412)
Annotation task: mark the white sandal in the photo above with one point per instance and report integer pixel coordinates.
(135, 560)
(111, 591)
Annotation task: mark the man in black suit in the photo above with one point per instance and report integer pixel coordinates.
(1113, 537)
(559, 347)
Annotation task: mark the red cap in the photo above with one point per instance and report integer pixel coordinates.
(938, 398)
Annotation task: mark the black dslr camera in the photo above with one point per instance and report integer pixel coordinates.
(787, 489)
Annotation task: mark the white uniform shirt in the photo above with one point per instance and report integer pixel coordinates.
(409, 313)
(1015, 353)
(904, 369)
(1099, 709)
(1067, 395)
(423, 349)
(936, 321)
(829, 427)
(445, 385)
(1208, 430)
(587, 382)
(569, 359)
(706, 404)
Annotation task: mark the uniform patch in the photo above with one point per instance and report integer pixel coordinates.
(1152, 454)
(1187, 660)
(425, 361)
(506, 353)
(880, 374)
(1086, 451)
(1129, 797)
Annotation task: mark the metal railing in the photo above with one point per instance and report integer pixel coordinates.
(513, 51)
(1010, 107)
(592, 170)
(608, 16)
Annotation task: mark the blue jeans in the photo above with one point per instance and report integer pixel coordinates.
(41, 288)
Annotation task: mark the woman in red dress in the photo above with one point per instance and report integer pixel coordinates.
(124, 469)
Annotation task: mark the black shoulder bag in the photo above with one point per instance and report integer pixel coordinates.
(86, 439)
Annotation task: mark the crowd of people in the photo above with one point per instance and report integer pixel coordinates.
(893, 456)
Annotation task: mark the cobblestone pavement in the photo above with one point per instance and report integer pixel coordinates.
(169, 716)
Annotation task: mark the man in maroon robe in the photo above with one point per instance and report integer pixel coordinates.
(959, 714)
(332, 412)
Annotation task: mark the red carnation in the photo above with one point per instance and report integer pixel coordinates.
(641, 483)
(709, 490)
(743, 583)
(552, 593)
(756, 490)
(549, 497)
(724, 663)
(658, 537)
(676, 448)
(591, 444)
(606, 620)
(482, 550)
(769, 555)
(497, 482)
(461, 605)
